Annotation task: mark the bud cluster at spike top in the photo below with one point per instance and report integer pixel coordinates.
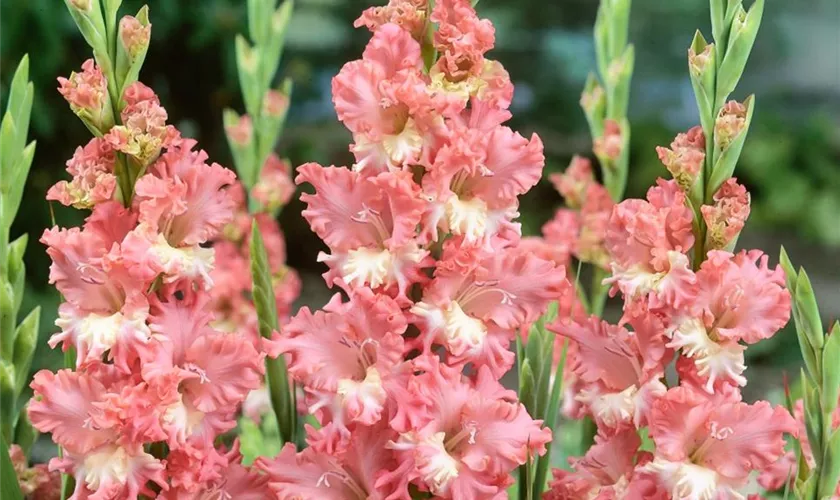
(706, 442)
(403, 374)
(156, 308)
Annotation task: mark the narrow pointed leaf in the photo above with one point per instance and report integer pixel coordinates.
(806, 303)
(831, 371)
(26, 338)
(790, 272)
(830, 473)
(9, 488)
(25, 434)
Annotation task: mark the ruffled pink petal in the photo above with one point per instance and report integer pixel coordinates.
(204, 204)
(62, 405)
(514, 165)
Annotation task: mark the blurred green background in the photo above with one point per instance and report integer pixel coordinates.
(791, 161)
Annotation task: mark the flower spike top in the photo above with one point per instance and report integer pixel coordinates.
(422, 237)
(155, 382)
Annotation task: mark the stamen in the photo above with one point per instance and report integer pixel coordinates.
(468, 432)
(345, 478)
(479, 288)
(373, 217)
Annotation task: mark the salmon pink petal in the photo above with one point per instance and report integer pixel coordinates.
(205, 203)
(393, 49)
(228, 367)
(513, 166)
(63, 404)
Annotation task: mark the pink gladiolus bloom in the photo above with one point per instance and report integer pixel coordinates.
(594, 219)
(382, 99)
(726, 218)
(92, 168)
(87, 93)
(106, 308)
(475, 180)
(561, 233)
(621, 371)
(274, 187)
(607, 472)
(647, 242)
(469, 436)
(369, 224)
(737, 298)
(410, 15)
(477, 301)
(134, 36)
(685, 158)
(330, 469)
(706, 448)
(182, 202)
(344, 356)
(103, 448)
(574, 181)
(611, 143)
(144, 131)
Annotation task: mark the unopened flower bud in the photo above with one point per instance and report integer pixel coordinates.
(725, 219)
(614, 71)
(594, 218)
(739, 22)
(685, 158)
(275, 103)
(574, 181)
(592, 98)
(610, 144)
(82, 5)
(698, 63)
(134, 35)
(242, 133)
(275, 187)
(730, 123)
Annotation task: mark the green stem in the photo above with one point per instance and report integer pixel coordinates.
(599, 292)
(552, 411)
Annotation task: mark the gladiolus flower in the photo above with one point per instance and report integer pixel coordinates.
(706, 448)
(737, 298)
(726, 218)
(470, 435)
(647, 242)
(87, 93)
(92, 168)
(573, 183)
(685, 158)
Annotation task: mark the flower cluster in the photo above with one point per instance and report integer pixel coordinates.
(706, 440)
(154, 375)
(402, 374)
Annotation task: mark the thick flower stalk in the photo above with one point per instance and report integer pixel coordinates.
(17, 339)
(706, 442)
(265, 186)
(402, 375)
(154, 382)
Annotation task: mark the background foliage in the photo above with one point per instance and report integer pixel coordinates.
(791, 162)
